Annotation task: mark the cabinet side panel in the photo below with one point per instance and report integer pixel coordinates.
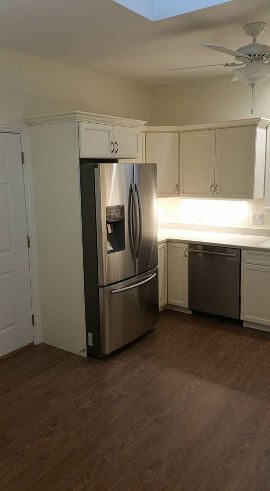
(267, 172)
(90, 257)
(56, 176)
(260, 163)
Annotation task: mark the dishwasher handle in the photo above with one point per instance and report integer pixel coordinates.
(227, 254)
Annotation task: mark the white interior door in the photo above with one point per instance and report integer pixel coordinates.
(15, 298)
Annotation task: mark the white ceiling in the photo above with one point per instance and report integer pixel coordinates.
(107, 38)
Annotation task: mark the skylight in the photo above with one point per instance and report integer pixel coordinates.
(163, 9)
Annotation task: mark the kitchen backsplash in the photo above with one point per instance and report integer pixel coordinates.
(215, 213)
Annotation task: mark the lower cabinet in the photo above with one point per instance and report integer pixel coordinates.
(255, 282)
(178, 274)
(255, 299)
(162, 275)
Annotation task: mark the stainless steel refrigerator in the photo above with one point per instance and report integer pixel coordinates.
(119, 227)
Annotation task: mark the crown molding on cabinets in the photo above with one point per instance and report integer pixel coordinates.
(259, 122)
(83, 117)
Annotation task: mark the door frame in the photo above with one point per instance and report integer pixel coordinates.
(23, 131)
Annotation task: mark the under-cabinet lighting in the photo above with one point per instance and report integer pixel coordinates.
(224, 213)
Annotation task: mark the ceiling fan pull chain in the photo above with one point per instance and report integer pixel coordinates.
(253, 98)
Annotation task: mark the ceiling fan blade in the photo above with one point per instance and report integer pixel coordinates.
(198, 66)
(228, 51)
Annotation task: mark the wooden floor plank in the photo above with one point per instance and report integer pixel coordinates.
(186, 408)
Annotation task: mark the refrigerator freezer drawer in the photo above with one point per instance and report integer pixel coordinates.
(128, 310)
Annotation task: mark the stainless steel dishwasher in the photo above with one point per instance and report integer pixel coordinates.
(214, 280)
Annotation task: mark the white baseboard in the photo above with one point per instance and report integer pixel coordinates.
(183, 310)
(259, 327)
(164, 307)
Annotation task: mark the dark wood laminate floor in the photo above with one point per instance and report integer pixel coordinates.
(186, 408)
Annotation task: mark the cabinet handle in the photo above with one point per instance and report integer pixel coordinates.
(112, 147)
(176, 188)
(186, 253)
(116, 146)
(216, 189)
(211, 188)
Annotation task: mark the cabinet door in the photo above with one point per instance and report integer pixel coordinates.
(235, 164)
(255, 305)
(127, 142)
(96, 141)
(141, 157)
(162, 275)
(178, 274)
(163, 149)
(267, 173)
(197, 163)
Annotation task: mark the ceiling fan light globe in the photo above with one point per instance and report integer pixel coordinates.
(254, 73)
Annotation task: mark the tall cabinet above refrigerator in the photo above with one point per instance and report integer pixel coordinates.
(120, 253)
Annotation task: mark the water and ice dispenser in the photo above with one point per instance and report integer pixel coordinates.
(115, 227)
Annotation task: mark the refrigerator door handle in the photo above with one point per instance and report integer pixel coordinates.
(138, 221)
(131, 230)
(135, 285)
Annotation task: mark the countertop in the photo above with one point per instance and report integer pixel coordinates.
(259, 242)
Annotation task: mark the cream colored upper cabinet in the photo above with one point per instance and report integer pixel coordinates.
(163, 149)
(240, 162)
(162, 275)
(96, 140)
(105, 141)
(127, 142)
(223, 163)
(178, 274)
(197, 163)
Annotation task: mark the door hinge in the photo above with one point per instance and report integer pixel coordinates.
(28, 242)
(33, 320)
(23, 161)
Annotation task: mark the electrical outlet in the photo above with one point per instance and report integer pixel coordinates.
(258, 219)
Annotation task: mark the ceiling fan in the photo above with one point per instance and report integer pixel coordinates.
(252, 61)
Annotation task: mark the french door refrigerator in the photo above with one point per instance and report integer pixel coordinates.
(119, 227)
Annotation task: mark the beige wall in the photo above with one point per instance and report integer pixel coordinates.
(30, 86)
(206, 100)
